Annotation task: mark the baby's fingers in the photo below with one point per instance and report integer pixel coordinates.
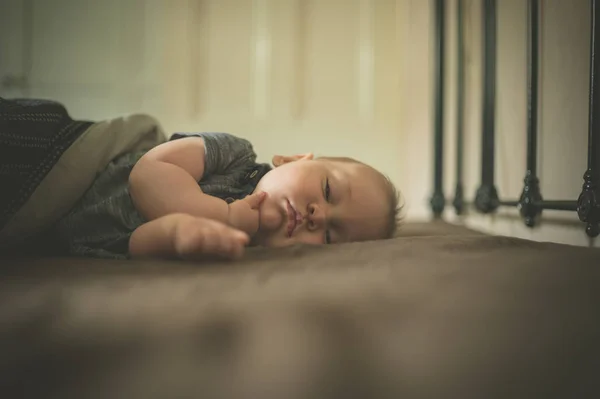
(208, 238)
(232, 244)
(225, 242)
(254, 200)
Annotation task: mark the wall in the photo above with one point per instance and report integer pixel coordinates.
(292, 76)
(563, 114)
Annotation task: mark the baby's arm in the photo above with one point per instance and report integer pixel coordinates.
(165, 181)
(186, 237)
(183, 221)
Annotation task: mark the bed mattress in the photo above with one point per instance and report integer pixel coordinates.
(440, 312)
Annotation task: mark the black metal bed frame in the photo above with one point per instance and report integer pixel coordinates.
(531, 203)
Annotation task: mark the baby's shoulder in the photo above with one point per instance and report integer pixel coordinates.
(224, 152)
(218, 139)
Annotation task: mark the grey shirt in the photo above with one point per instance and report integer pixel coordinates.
(101, 223)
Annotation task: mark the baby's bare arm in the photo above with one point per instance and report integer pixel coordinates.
(165, 181)
(187, 237)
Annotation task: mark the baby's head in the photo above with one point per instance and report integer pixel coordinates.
(325, 200)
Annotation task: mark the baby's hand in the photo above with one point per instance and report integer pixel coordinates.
(244, 214)
(196, 238)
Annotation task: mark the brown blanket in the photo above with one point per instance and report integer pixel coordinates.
(433, 314)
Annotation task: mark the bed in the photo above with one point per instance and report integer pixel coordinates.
(437, 312)
(440, 311)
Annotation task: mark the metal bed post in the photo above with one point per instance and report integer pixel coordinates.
(458, 202)
(531, 195)
(437, 201)
(486, 198)
(530, 203)
(588, 204)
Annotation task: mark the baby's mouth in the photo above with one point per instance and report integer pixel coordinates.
(294, 218)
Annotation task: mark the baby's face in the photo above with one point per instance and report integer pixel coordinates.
(322, 201)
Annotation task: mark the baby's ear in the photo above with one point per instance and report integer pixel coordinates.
(279, 160)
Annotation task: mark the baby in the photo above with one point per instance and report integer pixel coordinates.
(200, 195)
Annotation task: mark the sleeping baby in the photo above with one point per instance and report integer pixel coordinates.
(187, 197)
(204, 194)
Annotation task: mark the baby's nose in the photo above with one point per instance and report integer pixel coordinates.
(316, 214)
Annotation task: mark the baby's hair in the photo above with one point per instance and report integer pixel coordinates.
(395, 217)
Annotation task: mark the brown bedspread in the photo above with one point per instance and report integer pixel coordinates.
(438, 313)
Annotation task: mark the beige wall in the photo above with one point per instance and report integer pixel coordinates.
(337, 77)
(292, 76)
